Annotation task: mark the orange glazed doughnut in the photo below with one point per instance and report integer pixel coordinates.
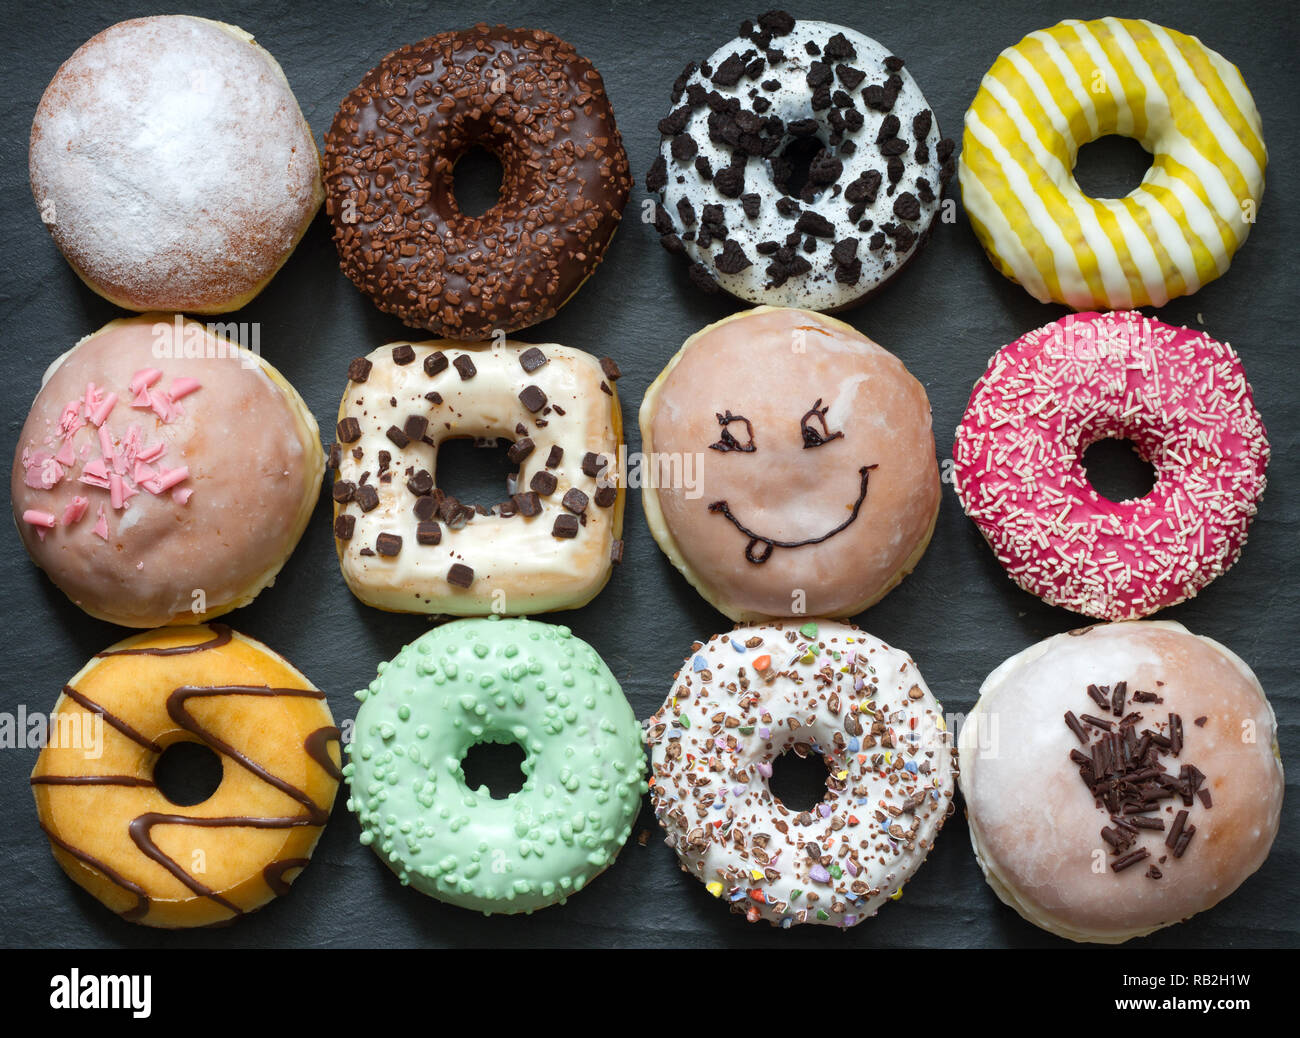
(114, 832)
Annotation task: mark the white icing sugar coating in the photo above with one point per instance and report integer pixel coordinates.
(854, 226)
(823, 687)
(173, 166)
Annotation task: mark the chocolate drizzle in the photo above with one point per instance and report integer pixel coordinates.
(221, 636)
(771, 543)
(811, 437)
(727, 442)
(140, 828)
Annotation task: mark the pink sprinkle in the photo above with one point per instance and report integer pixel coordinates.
(93, 397)
(167, 480)
(182, 387)
(35, 517)
(66, 456)
(95, 473)
(101, 525)
(70, 420)
(51, 473)
(75, 510)
(102, 410)
(141, 400)
(117, 490)
(181, 495)
(143, 473)
(162, 406)
(106, 444)
(152, 452)
(143, 379)
(33, 466)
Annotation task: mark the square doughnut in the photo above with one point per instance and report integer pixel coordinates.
(405, 545)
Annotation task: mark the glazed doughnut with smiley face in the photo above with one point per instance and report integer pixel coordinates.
(790, 465)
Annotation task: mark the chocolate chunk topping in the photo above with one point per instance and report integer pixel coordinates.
(345, 526)
(421, 483)
(532, 398)
(610, 369)
(460, 575)
(349, 430)
(388, 544)
(575, 501)
(684, 147)
(776, 23)
(566, 525)
(367, 497)
(399, 438)
(750, 204)
(403, 354)
(532, 359)
(343, 490)
(865, 188)
(851, 77)
(528, 503)
(732, 258)
(425, 507)
(616, 552)
(606, 495)
(815, 224)
(825, 168)
(592, 463)
(701, 278)
(465, 366)
(906, 206)
(553, 459)
(520, 449)
(657, 178)
(435, 363)
(428, 533)
(359, 369)
(730, 182)
(415, 426)
(838, 48)
(543, 482)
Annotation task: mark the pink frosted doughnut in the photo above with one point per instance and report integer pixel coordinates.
(1182, 399)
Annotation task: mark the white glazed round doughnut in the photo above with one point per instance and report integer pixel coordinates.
(406, 545)
(745, 698)
(1191, 786)
(788, 94)
(173, 166)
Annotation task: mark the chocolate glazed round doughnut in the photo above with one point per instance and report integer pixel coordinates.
(540, 107)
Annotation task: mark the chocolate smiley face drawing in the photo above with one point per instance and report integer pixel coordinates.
(793, 465)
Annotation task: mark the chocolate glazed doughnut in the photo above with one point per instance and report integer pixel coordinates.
(524, 95)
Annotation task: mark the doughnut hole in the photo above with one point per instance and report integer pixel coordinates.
(477, 181)
(1112, 166)
(798, 781)
(496, 764)
(1117, 469)
(791, 166)
(187, 773)
(476, 472)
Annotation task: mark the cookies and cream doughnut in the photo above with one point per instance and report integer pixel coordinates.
(743, 699)
(114, 832)
(172, 165)
(406, 545)
(790, 100)
(792, 465)
(1181, 398)
(390, 156)
(1120, 778)
(496, 680)
(1061, 88)
(163, 475)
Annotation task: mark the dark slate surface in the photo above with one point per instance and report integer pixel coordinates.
(957, 614)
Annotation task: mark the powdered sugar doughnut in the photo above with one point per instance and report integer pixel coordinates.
(788, 94)
(163, 475)
(745, 698)
(1182, 399)
(172, 165)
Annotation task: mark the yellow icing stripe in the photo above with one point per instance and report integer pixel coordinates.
(1061, 87)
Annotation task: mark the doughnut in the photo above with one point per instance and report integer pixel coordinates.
(406, 545)
(115, 833)
(742, 700)
(172, 165)
(792, 465)
(1061, 88)
(1190, 789)
(800, 166)
(1181, 398)
(164, 474)
(525, 96)
(496, 680)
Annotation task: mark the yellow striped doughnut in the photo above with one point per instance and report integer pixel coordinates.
(1061, 88)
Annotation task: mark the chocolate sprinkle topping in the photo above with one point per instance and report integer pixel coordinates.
(388, 544)
(532, 359)
(460, 575)
(403, 354)
(465, 366)
(349, 430)
(359, 369)
(566, 525)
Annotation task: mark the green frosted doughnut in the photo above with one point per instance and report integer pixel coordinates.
(507, 681)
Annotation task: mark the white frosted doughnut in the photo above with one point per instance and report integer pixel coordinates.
(871, 194)
(406, 545)
(1053, 845)
(823, 687)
